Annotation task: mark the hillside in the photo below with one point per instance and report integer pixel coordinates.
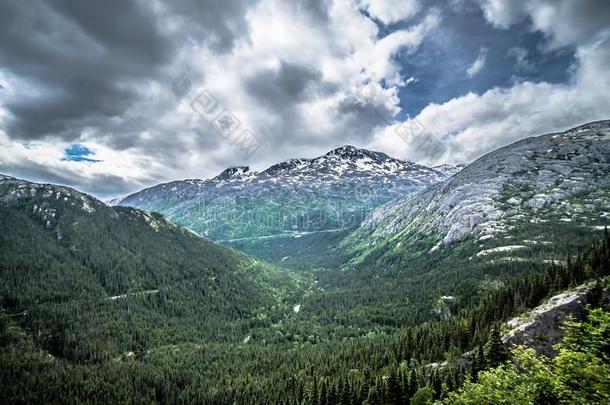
(96, 281)
(512, 200)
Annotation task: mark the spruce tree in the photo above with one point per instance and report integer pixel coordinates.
(394, 394)
(495, 351)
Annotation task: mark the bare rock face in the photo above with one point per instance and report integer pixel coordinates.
(566, 174)
(540, 328)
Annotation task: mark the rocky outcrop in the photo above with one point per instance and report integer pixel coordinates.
(541, 328)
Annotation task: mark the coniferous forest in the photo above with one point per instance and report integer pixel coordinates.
(305, 202)
(117, 305)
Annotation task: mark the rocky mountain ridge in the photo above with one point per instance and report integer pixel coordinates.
(295, 199)
(555, 178)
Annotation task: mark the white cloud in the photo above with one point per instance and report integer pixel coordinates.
(474, 124)
(307, 78)
(478, 64)
(40, 160)
(343, 106)
(390, 11)
(566, 22)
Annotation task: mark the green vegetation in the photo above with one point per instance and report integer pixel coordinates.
(116, 305)
(580, 374)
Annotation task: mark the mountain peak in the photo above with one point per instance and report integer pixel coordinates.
(285, 167)
(352, 153)
(234, 173)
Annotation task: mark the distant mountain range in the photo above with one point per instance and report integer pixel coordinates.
(352, 201)
(292, 207)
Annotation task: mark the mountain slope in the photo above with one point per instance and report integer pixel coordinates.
(293, 207)
(510, 199)
(93, 279)
(114, 305)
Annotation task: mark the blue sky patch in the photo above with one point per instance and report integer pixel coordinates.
(441, 62)
(79, 153)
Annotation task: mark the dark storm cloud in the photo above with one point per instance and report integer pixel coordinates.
(318, 9)
(86, 63)
(83, 61)
(284, 87)
(361, 118)
(218, 23)
(122, 27)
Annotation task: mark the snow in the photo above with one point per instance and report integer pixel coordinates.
(500, 250)
(87, 208)
(117, 297)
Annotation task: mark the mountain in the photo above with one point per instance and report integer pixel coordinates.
(72, 267)
(449, 170)
(107, 304)
(513, 199)
(291, 208)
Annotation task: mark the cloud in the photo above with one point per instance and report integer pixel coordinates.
(298, 75)
(119, 79)
(473, 124)
(45, 161)
(77, 65)
(478, 64)
(520, 55)
(565, 22)
(391, 11)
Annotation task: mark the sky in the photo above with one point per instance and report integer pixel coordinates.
(111, 97)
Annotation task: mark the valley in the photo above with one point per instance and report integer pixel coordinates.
(289, 200)
(369, 271)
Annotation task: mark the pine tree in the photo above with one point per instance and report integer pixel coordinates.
(413, 385)
(314, 398)
(373, 398)
(478, 363)
(345, 393)
(495, 351)
(324, 393)
(394, 394)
